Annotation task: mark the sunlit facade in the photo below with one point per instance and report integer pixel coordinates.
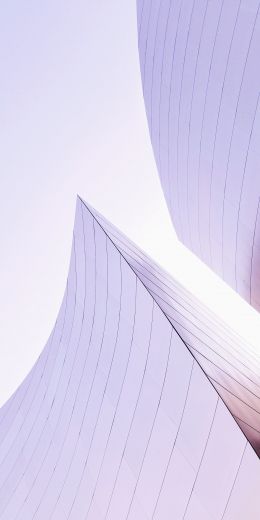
(231, 364)
(201, 83)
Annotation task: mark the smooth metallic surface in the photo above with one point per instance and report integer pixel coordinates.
(201, 82)
(230, 363)
(117, 420)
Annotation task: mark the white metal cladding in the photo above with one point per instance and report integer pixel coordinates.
(201, 81)
(117, 420)
(231, 364)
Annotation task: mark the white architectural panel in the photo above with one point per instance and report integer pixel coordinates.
(117, 420)
(201, 82)
(231, 364)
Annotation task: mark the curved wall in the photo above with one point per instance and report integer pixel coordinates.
(117, 420)
(230, 363)
(201, 81)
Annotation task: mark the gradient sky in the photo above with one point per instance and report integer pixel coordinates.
(73, 121)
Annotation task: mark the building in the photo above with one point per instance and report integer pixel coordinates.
(143, 405)
(201, 84)
(230, 363)
(118, 418)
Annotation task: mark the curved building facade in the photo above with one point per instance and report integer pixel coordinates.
(117, 419)
(201, 83)
(230, 363)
